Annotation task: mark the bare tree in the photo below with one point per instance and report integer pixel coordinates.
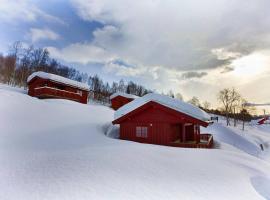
(1, 67)
(15, 48)
(24, 68)
(121, 86)
(9, 69)
(21, 62)
(194, 101)
(114, 87)
(179, 96)
(228, 98)
(171, 94)
(206, 105)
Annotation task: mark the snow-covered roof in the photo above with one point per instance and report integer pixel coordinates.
(167, 101)
(130, 96)
(59, 79)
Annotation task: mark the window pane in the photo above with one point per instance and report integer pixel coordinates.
(138, 131)
(144, 132)
(141, 131)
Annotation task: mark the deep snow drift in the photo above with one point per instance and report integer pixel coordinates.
(56, 149)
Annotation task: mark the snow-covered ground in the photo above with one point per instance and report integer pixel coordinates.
(57, 149)
(250, 140)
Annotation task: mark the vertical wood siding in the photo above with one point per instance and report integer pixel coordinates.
(49, 93)
(164, 127)
(119, 101)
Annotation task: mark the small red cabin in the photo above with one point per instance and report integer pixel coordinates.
(46, 85)
(264, 120)
(159, 119)
(119, 99)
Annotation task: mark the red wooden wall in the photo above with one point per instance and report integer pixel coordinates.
(119, 101)
(56, 90)
(163, 127)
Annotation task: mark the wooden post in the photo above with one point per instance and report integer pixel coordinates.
(195, 132)
(234, 117)
(198, 134)
(184, 132)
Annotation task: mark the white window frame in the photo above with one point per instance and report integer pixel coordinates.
(138, 131)
(79, 92)
(142, 131)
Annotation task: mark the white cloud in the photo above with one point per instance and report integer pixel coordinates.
(163, 79)
(82, 53)
(164, 40)
(37, 34)
(87, 52)
(13, 11)
(121, 70)
(179, 34)
(224, 54)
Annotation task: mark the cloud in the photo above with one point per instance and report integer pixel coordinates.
(183, 35)
(224, 54)
(121, 69)
(24, 10)
(189, 75)
(227, 69)
(122, 63)
(107, 34)
(82, 53)
(37, 34)
(193, 47)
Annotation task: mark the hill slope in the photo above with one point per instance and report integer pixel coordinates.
(57, 149)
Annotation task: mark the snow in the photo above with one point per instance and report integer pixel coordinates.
(130, 96)
(225, 135)
(57, 149)
(59, 79)
(250, 140)
(167, 101)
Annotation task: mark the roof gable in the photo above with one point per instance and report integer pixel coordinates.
(157, 113)
(58, 79)
(166, 101)
(122, 94)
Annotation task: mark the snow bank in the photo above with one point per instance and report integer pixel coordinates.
(57, 149)
(59, 79)
(130, 96)
(250, 140)
(167, 101)
(224, 134)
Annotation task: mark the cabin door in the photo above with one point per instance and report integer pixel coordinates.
(176, 134)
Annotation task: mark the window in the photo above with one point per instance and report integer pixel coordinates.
(60, 87)
(79, 92)
(141, 132)
(138, 131)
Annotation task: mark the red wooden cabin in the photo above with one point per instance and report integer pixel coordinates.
(45, 85)
(119, 99)
(263, 120)
(158, 119)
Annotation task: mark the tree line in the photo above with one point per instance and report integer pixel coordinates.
(232, 107)
(23, 61)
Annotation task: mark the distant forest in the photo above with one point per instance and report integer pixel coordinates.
(21, 62)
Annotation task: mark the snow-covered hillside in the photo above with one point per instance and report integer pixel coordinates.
(251, 140)
(57, 149)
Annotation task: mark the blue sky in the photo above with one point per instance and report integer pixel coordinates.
(72, 30)
(195, 48)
